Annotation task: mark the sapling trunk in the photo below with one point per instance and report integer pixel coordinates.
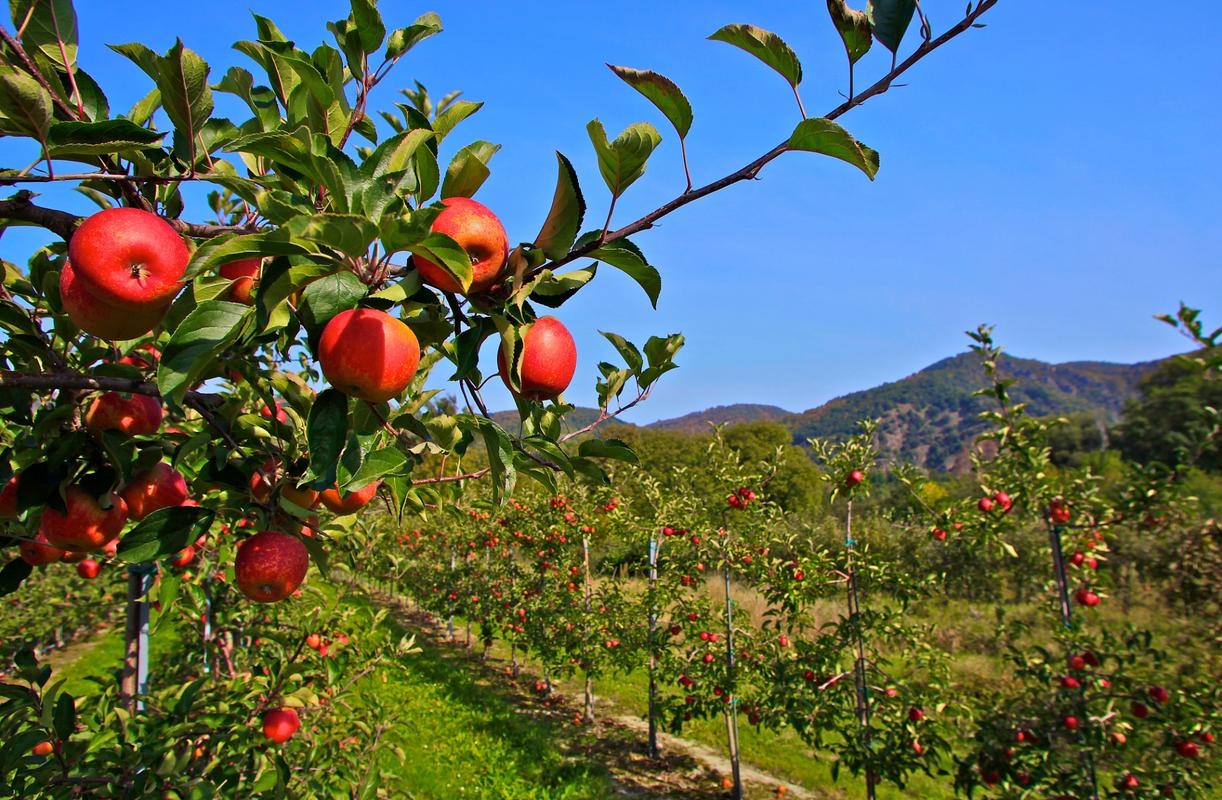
(653, 655)
(589, 589)
(732, 709)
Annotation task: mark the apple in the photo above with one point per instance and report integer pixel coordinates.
(129, 258)
(262, 480)
(39, 551)
(1071, 723)
(280, 724)
(915, 714)
(1158, 694)
(161, 486)
(183, 557)
(144, 356)
(100, 318)
(478, 231)
(1002, 500)
(939, 534)
(43, 749)
(1140, 710)
(1058, 510)
(270, 566)
(1086, 597)
(306, 498)
(368, 354)
(86, 526)
(313, 641)
(985, 504)
(351, 502)
(1188, 749)
(280, 414)
(88, 569)
(244, 274)
(140, 415)
(549, 359)
(1129, 782)
(855, 477)
(8, 499)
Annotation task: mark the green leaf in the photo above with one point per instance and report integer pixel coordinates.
(890, 19)
(377, 465)
(65, 716)
(500, 458)
(766, 46)
(568, 209)
(350, 234)
(182, 77)
(622, 161)
(199, 338)
(118, 136)
(232, 247)
(627, 350)
(326, 297)
(854, 28)
(448, 120)
(369, 25)
(607, 448)
(404, 39)
(447, 254)
(468, 170)
(552, 290)
(25, 107)
(819, 135)
(663, 93)
(44, 26)
(13, 574)
(327, 432)
(164, 532)
(628, 258)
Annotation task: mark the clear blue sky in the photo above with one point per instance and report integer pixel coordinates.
(1055, 174)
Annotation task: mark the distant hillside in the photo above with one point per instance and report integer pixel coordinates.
(929, 418)
(699, 421)
(577, 418)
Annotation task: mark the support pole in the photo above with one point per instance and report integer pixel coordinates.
(133, 679)
(589, 686)
(732, 711)
(653, 646)
(859, 664)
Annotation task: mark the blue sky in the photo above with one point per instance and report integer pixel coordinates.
(1055, 174)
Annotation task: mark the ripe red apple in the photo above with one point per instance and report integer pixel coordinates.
(1087, 598)
(1071, 723)
(313, 641)
(104, 320)
(129, 258)
(86, 526)
(939, 534)
(39, 551)
(351, 502)
(855, 477)
(280, 724)
(1140, 710)
(244, 274)
(161, 486)
(1188, 749)
(1002, 500)
(139, 415)
(88, 569)
(368, 354)
(1058, 511)
(549, 359)
(281, 415)
(915, 714)
(183, 557)
(480, 233)
(43, 749)
(985, 504)
(8, 499)
(1158, 694)
(262, 480)
(270, 566)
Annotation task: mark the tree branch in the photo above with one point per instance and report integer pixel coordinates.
(751, 170)
(21, 207)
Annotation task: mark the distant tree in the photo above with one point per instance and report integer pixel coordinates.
(1174, 421)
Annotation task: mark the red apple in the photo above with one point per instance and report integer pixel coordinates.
(159, 487)
(1058, 511)
(1002, 500)
(549, 359)
(985, 504)
(86, 526)
(263, 479)
(1188, 749)
(305, 498)
(183, 557)
(351, 502)
(39, 551)
(244, 274)
(270, 566)
(129, 258)
(478, 231)
(100, 318)
(281, 415)
(8, 499)
(368, 354)
(139, 415)
(43, 749)
(88, 569)
(280, 724)
(855, 477)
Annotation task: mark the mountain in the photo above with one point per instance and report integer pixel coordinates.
(930, 417)
(699, 421)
